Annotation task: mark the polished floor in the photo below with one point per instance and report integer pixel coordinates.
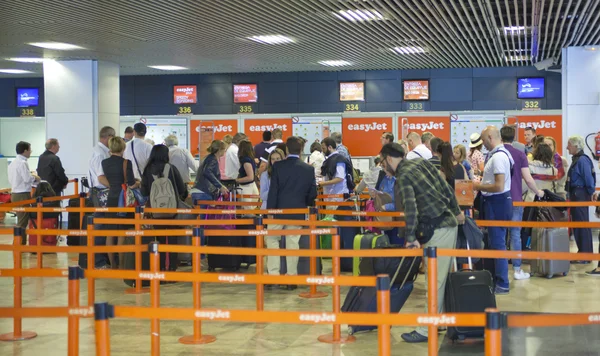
(571, 294)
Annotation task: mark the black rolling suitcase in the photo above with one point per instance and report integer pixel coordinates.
(73, 220)
(468, 291)
(250, 242)
(347, 235)
(230, 262)
(128, 262)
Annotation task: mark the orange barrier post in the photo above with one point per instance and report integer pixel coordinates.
(137, 288)
(18, 334)
(82, 197)
(91, 260)
(154, 298)
(75, 274)
(432, 295)
(336, 337)
(102, 312)
(260, 243)
(313, 260)
(197, 338)
(383, 306)
(493, 332)
(75, 186)
(39, 223)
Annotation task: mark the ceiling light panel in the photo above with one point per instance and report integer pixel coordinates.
(56, 45)
(359, 15)
(335, 63)
(26, 60)
(513, 30)
(15, 71)
(271, 39)
(408, 50)
(168, 67)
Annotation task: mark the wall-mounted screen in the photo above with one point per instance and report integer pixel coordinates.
(185, 94)
(28, 97)
(530, 88)
(352, 91)
(245, 93)
(416, 90)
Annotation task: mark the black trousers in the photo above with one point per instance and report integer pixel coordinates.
(583, 237)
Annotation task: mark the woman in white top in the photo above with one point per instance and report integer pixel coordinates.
(181, 158)
(316, 158)
(265, 177)
(542, 170)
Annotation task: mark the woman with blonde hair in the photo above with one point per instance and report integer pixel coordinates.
(227, 139)
(460, 156)
(561, 164)
(265, 177)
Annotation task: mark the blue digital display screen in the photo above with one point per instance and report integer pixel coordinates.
(530, 88)
(27, 97)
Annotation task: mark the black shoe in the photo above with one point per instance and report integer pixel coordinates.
(292, 287)
(270, 286)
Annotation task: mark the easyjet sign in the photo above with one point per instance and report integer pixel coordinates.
(426, 126)
(359, 134)
(545, 125)
(261, 128)
(439, 126)
(542, 124)
(374, 126)
(255, 127)
(217, 128)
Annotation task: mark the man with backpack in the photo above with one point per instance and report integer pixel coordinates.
(336, 170)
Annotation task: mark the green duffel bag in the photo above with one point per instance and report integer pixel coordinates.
(325, 240)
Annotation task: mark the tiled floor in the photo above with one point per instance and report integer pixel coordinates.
(574, 293)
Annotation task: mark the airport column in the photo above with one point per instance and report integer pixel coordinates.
(81, 97)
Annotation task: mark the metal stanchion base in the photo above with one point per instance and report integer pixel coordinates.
(310, 295)
(135, 291)
(328, 339)
(25, 335)
(191, 340)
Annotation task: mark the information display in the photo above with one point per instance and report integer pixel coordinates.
(28, 97)
(245, 93)
(416, 90)
(185, 94)
(352, 91)
(530, 88)
(160, 128)
(315, 128)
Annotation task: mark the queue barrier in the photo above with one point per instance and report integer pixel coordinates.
(335, 337)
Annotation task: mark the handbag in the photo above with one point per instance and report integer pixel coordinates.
(181, 204)
(127, 198)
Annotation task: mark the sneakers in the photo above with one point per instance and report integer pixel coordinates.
(414, 337)
(501, 291)
(520, 274)
(593, 273)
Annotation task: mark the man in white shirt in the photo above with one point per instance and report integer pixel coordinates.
(21, 182)
(232, 161)
(417, 148)
(334, 170)
(496, 202)
(277, 136)
(98, 194)
(181, 158)
(138, 150)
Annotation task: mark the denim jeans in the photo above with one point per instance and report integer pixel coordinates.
(515, 235)
(100, 259)
(498, 207)
(202, 196)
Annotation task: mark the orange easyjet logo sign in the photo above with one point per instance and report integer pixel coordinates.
(439, 126)
(361, 135)
(254, 128)
(374, 126)
(545, 125)
(216, 129)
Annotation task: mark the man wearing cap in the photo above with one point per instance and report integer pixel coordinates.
(138, 150)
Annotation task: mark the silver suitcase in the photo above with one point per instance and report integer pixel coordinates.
(550, 240)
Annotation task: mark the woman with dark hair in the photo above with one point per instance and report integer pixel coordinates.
(158, 165)
(316, 157)
(208, 180)
(561, 164)
(451, 169)
(535, 143)
(542, 170)
(265, 177)
(247, 175)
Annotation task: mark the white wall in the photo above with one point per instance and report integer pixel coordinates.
(108, 95)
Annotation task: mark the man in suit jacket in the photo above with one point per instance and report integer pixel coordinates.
(293, 186)
(50, 167)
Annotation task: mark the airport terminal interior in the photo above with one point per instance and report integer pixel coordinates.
(234, 89)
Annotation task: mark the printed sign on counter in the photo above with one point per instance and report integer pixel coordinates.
(362, 136)
(254, 128)
(221, 128)
(439, 126)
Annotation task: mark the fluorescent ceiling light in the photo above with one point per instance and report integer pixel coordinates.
(335, 63)
(408, 50)
(27, 60)
(517, 58)
(514, 30)
(15, 71)
(168, 67)
(359, 15)
(56, 45)
(271, 39)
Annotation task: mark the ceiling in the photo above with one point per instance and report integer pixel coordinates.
(210, 36)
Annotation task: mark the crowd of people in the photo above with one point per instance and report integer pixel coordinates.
(418, 172)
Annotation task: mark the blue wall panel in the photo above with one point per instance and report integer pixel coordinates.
(451, 89)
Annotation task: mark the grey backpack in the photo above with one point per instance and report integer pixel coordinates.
(162, 194)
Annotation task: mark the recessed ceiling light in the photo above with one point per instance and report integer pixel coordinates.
(359, 15)
(168, 67)
(517, 58)
(56, 45)
(335, 63)
(514, 30)
(15, 71)
(27, 60)
(408, 50)
(591, 48)
(271, 39)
